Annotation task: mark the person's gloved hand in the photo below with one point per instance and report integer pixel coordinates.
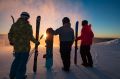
(37, 43)
(11, 43)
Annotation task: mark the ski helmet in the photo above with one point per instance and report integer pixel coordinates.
(65, 20)
(25, 15)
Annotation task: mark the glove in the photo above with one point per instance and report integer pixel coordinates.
(44, 56)
(11, 43)
(37, 43)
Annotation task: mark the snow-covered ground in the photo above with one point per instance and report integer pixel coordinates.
(106, 56)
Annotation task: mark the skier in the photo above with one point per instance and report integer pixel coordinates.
(49, 48)
(86, 42)
(19, 36)
(66, 35)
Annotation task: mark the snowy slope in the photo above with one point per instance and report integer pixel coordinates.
(112, 42)
(106, 58)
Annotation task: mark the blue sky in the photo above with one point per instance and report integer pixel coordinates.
(104, 15)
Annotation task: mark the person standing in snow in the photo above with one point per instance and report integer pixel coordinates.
(86, 42)
(19, 36)
(49, 49)
(66, 36)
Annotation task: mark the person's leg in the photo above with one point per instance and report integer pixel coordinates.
(14, 66)
(62, 53)
(21, 71)
(89, 57)
(67, 61)
(83, 55)
(68, 52)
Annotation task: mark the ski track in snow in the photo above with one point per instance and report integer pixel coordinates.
(106, 64)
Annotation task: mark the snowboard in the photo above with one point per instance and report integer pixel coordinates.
(49, 58)
(76, 47)
(36, 46)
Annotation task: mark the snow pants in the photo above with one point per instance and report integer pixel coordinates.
(65, 50)
(18, 68)
(86, 55)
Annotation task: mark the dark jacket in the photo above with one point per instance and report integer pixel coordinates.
(65, 33)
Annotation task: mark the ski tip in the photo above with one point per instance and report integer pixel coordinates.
(39, 17)
(77, 22)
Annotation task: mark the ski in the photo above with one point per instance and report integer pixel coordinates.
(36, 46)
(76, 47)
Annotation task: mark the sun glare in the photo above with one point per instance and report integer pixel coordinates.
(45, 35)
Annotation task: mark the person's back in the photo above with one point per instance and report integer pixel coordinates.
(66, 36)
(86, 35)
(65, 32)
(21, 34)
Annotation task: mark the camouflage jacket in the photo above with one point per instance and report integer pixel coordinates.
(20, 35)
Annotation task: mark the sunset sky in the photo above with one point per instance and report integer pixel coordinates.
(104, 15)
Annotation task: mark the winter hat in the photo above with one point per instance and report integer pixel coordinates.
(84, 22)
(25, 15)
(65, 20)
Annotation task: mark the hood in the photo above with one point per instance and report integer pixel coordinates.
(87, 27)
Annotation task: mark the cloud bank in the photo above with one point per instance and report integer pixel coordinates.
(51, 12)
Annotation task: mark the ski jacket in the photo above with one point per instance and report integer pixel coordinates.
(65, 33)
(20, 35)
(86, 35)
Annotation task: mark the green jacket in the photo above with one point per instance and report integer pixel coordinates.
(20, 35)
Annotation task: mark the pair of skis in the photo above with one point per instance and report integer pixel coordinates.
(76, 46)
(36, 46)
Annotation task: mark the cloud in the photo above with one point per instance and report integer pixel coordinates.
(51, 11)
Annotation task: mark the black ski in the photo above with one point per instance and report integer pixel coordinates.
(36, 46)
(76, 47)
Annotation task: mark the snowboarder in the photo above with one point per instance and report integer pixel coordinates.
(86, 42)
(19, 36)
(66, 36)
(49, 48)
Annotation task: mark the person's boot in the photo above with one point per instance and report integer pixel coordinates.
(25, 77)
(90, 65)
(12, 77)
(85, 64)
(65, 69)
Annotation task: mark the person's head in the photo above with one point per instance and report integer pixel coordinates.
(49, 31)
(65, 20)
(25, 15)
(84, 22)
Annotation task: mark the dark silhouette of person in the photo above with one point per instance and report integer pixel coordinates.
(66, 36)
(49, 48)
(19, 36)
(86, 42)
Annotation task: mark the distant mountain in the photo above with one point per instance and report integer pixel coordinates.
(115, 41)
(98, 40)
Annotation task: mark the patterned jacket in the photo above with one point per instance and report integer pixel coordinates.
(20, 36)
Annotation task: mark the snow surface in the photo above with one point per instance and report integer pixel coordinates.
(106, 56)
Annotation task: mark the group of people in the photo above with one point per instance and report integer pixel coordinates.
(21, 34)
